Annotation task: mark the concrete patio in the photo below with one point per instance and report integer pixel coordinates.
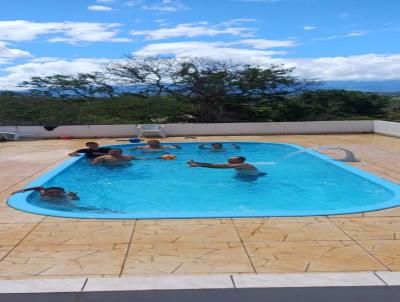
(33, 246)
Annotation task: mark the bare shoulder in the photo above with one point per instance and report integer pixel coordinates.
(100, 159)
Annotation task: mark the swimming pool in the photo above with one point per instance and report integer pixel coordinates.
(300, 182)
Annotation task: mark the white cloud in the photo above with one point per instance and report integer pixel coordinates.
(11, 53)
(348, 35)
(237, 21)
(46, 67)
(163, 6)
(45, 59)
(99, 8)
(216, 50)
(309, 27)
(133, 2)
(356, 34)
(193, 30)
(166, 6)
(256, 1)
(360, 67)
(265, 44)
(22, 30)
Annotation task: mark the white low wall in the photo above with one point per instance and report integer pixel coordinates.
(270, 128)
(387, 128)
(76, 131)
(201, 129)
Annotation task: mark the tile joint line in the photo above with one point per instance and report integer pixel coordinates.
(380, 278)
(233, 281)
(84, 284)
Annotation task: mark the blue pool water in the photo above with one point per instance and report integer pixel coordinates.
(299, 183)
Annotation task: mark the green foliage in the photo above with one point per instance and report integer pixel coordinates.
(84, 85)
(393, 111)
(333, 105)
(308, 106)
(28, 110)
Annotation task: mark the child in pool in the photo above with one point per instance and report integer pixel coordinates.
(51, 193)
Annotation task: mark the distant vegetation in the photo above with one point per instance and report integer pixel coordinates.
(146, 90)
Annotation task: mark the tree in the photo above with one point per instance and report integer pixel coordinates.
(84, 85)
(222, 90)
(143, 76)
(333, 105)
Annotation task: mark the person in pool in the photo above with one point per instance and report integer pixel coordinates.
(244, 171)
(92, 151)
(51, 193)
(155, 145)
(116, 157)
(217, 147)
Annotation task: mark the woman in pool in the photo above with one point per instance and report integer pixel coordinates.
(244, 171)
(217, 147)
(155, 145)
(51, 193)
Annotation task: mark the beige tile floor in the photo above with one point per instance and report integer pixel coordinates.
(33, 246)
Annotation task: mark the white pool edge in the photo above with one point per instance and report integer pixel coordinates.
(190, 282)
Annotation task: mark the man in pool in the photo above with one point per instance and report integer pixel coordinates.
(244, 171)
(155, 145)
(51, 193)
(92, 151)
(218, 147)
(116, 157)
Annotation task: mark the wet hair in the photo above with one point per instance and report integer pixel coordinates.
(217, 144)
(242, 158)
(89, 143)
(55, 188)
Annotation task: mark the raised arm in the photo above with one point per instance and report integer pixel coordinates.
(194, 164)
(234, 146)
(28, 189)
(75, 153)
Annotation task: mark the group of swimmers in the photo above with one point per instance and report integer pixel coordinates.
(113, 156)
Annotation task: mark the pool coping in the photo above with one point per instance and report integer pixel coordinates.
(190, 282)
(19, 201)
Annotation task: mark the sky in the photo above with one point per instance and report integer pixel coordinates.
(326, 40)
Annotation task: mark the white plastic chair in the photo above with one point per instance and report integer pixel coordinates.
(14, 136)
(151, 130)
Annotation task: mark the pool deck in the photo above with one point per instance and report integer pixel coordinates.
(33, 246)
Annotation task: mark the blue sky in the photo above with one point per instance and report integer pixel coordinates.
(322, 39)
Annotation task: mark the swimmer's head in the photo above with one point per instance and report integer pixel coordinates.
(92, 145)
(154, 143)
(73, 195)
(217, 146)
(237, 160)
(115, 152)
